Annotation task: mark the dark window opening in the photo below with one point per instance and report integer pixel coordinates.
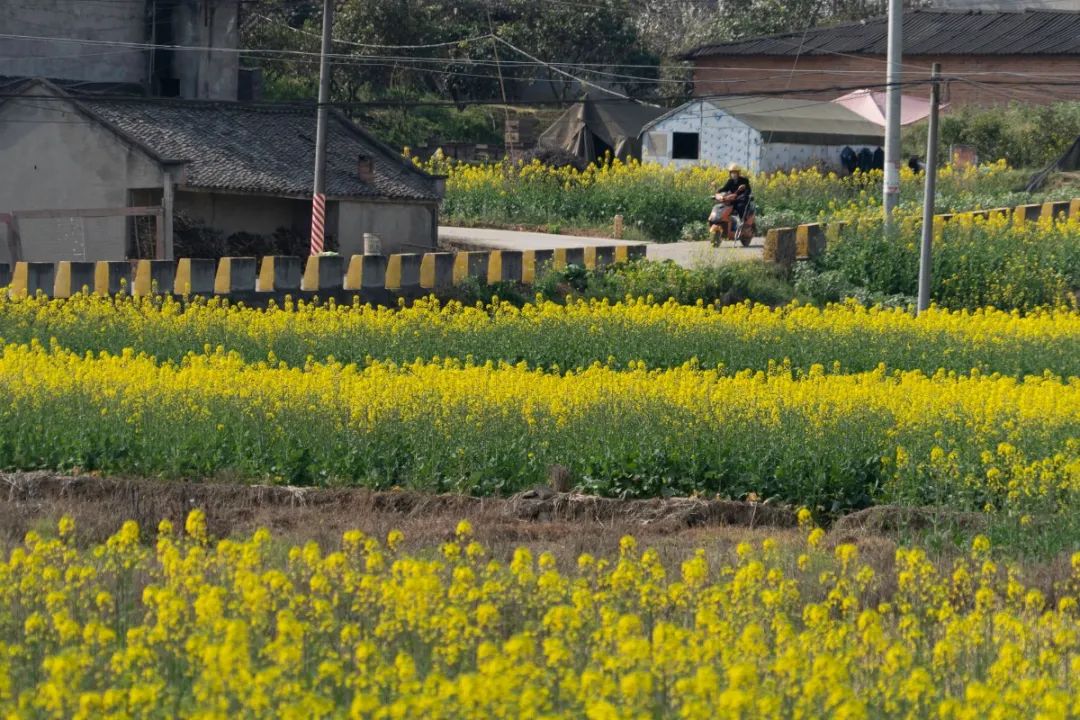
(684, 146)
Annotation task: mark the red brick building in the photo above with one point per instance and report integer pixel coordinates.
(992, 58)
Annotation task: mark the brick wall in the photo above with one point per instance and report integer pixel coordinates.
(760, 73)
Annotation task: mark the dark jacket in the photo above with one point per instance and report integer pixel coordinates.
(740, 186)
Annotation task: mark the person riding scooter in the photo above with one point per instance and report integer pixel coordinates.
(732, 213)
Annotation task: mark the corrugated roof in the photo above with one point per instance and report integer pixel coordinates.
(791, 120)
(926, 32)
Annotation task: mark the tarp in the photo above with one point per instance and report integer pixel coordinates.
(590, 127)
(871, 105)
(788, 120)
(1069, 162)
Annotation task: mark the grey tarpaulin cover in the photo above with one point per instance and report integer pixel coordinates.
(591, 127)
(1068, 162)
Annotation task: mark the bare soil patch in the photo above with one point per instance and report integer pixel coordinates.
(566, 524)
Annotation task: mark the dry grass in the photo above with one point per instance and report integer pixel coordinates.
(564, 524)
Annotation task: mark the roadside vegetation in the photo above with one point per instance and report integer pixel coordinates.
(666, 205)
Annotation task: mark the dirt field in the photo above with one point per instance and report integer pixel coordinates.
(564, 523)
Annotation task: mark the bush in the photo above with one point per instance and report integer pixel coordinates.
(726, 283)
(1021, 134)
(657, 203)
(976, 262)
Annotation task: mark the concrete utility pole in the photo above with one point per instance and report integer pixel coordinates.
(318, 208)
(891, 195)
(930, 190)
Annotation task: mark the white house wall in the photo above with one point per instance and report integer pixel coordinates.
(722, 139)
(54, 157)
(791, 156)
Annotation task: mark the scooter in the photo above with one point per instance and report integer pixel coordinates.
(726, 224)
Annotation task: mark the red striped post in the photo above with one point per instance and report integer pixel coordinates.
(318, 222)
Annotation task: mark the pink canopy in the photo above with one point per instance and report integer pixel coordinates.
(871, 105)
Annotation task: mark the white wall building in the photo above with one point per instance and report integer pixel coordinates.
(762, 134)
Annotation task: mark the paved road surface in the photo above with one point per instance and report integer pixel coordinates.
(687, 254)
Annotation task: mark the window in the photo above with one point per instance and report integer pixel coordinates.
(684, 146)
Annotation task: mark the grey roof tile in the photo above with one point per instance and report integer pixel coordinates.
(258, 148)
(926, 32)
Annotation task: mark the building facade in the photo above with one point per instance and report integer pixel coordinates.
(995, 58)
(236, 169)
(109, 43)
(760, 134)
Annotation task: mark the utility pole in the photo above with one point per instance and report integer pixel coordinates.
(318, 204)
(891, 190)
(931, 188)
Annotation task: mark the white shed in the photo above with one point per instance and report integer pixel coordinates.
(762, 134)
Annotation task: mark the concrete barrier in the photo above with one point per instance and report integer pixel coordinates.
(780, 246)
(1074, 208)
(471, 264)
(809, 241)
(1053, 209)
(437, 271)
(72, 277)
(195, 276)
(533, 263)
(5, 275)
(565, 257)
(626, 253)
(154, 277)
(279, 273)
(30, 277)
(598, 256)
(323, 272)
(403, 271)
(504, 266)
(1026, 213)
(235, 274)
(366, 271)
(112, 277)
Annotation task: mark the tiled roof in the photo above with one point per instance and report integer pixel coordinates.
(926, 32)
(256, 148)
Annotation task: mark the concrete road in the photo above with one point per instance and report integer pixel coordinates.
(489, 239)
(687, 254)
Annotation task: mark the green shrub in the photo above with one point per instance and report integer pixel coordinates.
(975, 264)
(725, 283)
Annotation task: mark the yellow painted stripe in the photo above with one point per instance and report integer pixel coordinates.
(495, 261)
(101, 278)
(19, 279)
(266, 275)
(528, 267)
(559, 260)
(62, 284)
(143, 284)
(461, 267)
(622, 253)
(310, 281)
(354, 275)
(182, 284)
(427, 271)
(223, 277)
(393, 272)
